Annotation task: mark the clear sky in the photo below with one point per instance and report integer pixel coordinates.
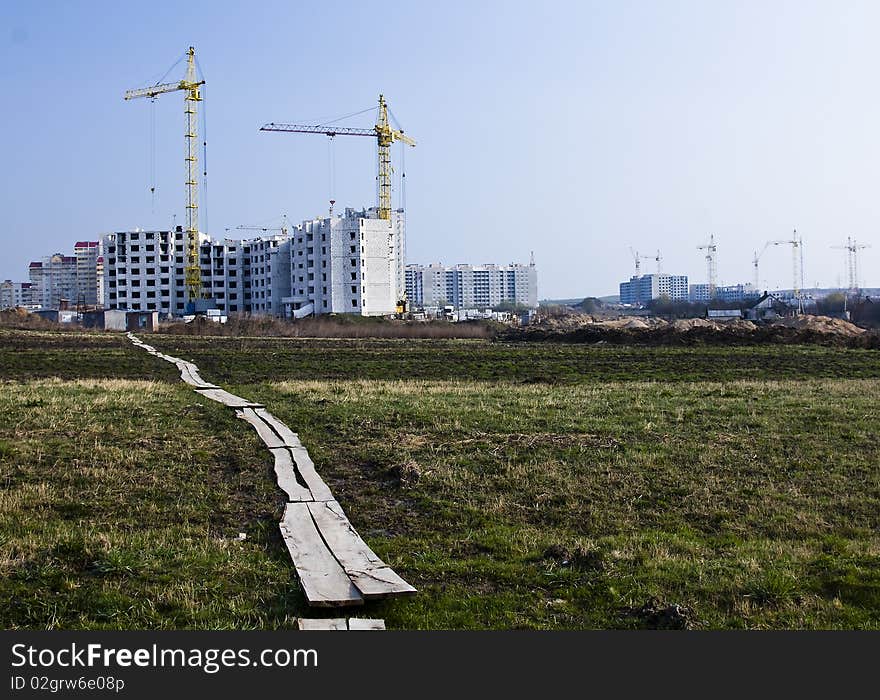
(573, 129)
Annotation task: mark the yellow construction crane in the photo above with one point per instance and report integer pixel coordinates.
(382, 132)
(190, 85)
(385, 135)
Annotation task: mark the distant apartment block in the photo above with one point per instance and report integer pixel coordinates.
(729, 294)
(14, 294)
(53, 281)
(471, 286)
(89, 284)
(641, 290)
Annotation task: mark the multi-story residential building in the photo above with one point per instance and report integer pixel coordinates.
(14, 294)
(142, 270)
(645, 288)
(146, 271)
(471, 286)
(53, 281)
(267, 274)
(88, 282)
(350, 263)
(732, 293)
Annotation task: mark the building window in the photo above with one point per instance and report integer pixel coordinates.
(354, 302)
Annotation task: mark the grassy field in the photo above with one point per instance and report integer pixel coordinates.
(517, 486)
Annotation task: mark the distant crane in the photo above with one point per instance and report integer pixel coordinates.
(797, 264)
(190, 85)
(638, 260)
(758, 255)
(852, 261)
(282, 229)
(711, 267)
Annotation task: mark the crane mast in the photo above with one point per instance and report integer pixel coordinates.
(190, 85)
(711, 271)
(852, 261)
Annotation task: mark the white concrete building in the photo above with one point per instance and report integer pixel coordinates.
(641, 290)
(266, 274)
(350, 263)
(146, 271)
(89, 284)
(14, 294)
(53, 281)
(729, 293)
(143, 271)
(471, 286)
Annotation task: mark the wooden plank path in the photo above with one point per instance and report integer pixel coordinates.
(340, 623)
(335, 567)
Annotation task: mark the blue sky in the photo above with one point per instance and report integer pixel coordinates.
(574, 129)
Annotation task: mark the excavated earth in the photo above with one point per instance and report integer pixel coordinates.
(820, 330)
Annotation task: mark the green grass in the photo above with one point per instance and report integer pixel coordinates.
(234, 360)
(120, 506)
(516, 486)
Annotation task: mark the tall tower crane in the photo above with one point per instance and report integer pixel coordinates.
(758, 255)
(382, 132)
(711, 266)
(797, 263)
(852, 261)
(190, 85)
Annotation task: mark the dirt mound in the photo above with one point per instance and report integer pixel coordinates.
(822, 324)
(698, 331)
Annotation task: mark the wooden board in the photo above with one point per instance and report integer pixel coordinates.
(267, 435)
(306, 468)
(285, 475)
(373, 577)
(365, 623)
(190, 374)
(328, 623)
(323, 580)
(340, 623)
(291, 439)
(227, 399)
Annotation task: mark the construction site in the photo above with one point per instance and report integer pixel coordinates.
(188, 447)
